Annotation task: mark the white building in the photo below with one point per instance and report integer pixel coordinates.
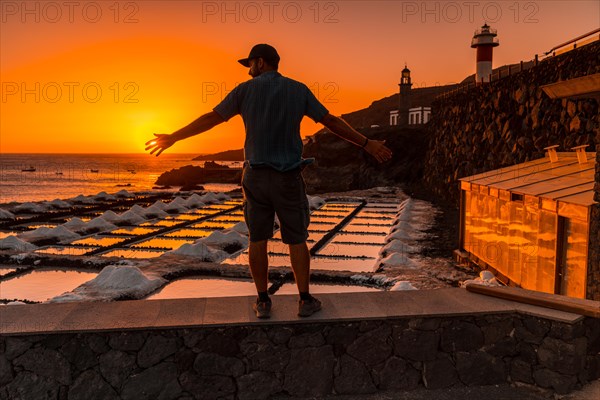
(418, 115)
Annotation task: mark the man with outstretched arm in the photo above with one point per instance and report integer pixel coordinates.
(272, 107)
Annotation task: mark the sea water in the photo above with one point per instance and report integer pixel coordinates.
(68, 175)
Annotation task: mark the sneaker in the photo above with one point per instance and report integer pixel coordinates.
(262, 309)
(306, 308)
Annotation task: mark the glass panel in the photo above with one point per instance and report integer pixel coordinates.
(575, 259)
(546, 251)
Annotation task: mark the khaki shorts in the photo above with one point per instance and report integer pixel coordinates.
(268, 192)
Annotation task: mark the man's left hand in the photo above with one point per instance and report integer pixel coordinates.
(160, 143)
(379, 150)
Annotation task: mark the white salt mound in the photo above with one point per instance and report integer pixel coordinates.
(31, 207)
(398, 246)
(220, 240)
(83, 199)
(112, 282)
(179, 201)
(13, 243)
(240, 227)
(159, 204)
(111, 216)
(155, 212)
(403, 285)
(5, 214)
(210, 198)
(315, 202)
(132, 218)
(486, 278)
(137, 209)
(396, 260)
(59, 233)
(124, 194)
(201, 251)
(194, 201)
(58, 203)
(179, 208)
(222, 196)
(100, 224)
(104, 196)
(74, 224)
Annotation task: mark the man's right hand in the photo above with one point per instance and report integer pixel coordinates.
(160, 143)
(379, 150)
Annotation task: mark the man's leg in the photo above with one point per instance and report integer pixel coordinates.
(300, 258)
(259, 264)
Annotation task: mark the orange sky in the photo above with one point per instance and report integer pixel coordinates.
(102, 76)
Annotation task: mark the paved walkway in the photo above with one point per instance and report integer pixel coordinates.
(224, 311)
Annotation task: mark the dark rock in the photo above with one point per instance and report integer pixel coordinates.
(539, 327)
(461, 336)
(565, 331)
(6, 373)
(90, 386)
(562, 384)
(340, 337)
(184, 359)
(214, 364)
(504, 347)
(310, 372)
(314, 339)
(416, 345)
(566, 358)
(397, 374)
(424, 324)
(194, 175)
(527, 353)
(156, 383)
(280, 334)
(255, 335)
(372, 347)
(127, 341)
(497, 330)
(15, 347)
(440, 373)
(97, 343)
(258, 385)
(156, 349)
(47, 363)
(55, 341)
(79, 355)
(28, 386)
(116, 366)
(520, 371)
(479, 368)
(353, 377)
(193, 338)
(207, 387)
(266, 357)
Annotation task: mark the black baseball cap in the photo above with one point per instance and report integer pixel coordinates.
(264, 51)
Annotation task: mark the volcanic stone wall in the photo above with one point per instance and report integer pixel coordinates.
(509, 121)
(303, 360)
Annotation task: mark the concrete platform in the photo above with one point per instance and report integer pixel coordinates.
(228, 311)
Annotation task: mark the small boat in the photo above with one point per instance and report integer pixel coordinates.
(58, 173)
(95, 171)
(131, 170)
(30, 169)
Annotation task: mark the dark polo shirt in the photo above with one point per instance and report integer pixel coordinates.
(272, 107)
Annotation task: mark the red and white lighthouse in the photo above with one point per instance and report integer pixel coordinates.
(484, 41)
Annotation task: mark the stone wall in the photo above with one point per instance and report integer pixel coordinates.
(509, 121)
(310, 359)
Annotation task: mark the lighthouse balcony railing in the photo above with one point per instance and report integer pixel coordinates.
(484, 40)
